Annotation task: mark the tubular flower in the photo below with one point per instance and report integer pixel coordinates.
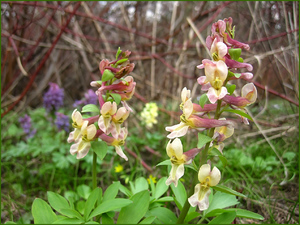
(249, 95)
(225, 30)
(188, 120)
(220, 134)
(82, 147)
(77, 124)
(108, 109)
(218, 50)
(178, 159)
(117, 119)
(207, 179)
(185, 95)
(117, 142)
(216, 74)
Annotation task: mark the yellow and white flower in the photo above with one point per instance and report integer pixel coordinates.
(207, 179)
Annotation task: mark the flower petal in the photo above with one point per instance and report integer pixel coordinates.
(215, 177)
(204, 172)
(91, 131)
(249, 91)
(203, 204)
(212, 95)
(193, 200)
(120, 152)
(178, 130)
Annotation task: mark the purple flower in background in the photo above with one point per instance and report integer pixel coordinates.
(26, 125)
(54, 97)
(62, 122)
(89, 98)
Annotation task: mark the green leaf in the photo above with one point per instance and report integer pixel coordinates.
(237, 75)
(68, 221)
(91, 222)
(235, 53)
(111, 192)
(100, 148)
(57, 201)
(11, 222)
(107, 75)
(180, 194)
(224, 218)
(289, 156)
(125, 190)
(116, 97)
(164, 215)
(203, 99)
(242, 213)
(241, 60)
(121, 61)
(118, 53)
(166, 162)
(221, 200)
(202, 140)
(42, 212)
(90, 108)
(227, 190)
(165, 199)
(140, 184)
(239, 112)
(106, 219)
(134, 212)
(153, 188)
(83, 191)
(90, 203)
(71, 213)
(230, 74)
(148, 220)
(99, 82)
(80, 206)
(230, 88)
(110, 205)
(161, 187)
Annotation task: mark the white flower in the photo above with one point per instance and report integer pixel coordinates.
(207, 179)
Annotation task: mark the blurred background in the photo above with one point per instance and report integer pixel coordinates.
(63, 43)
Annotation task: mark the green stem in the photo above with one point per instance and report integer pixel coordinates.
(94, 171)
(203, 159)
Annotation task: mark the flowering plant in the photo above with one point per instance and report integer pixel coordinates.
(97, 126)
(220, 70)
